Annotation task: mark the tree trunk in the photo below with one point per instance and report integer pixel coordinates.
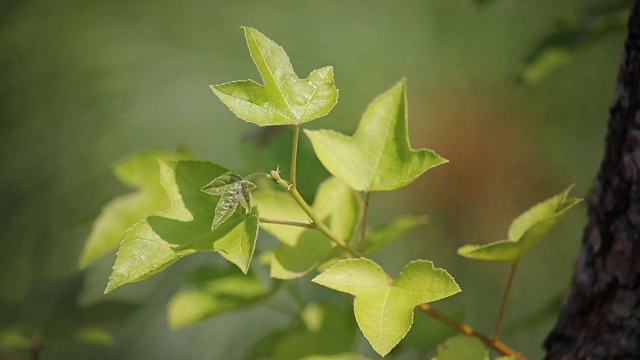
(600, 318)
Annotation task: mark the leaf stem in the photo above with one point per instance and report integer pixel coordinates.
(314, 218)
(363, 225)
(503, 305)
(495, 344)
(294, 153)
(287, 222)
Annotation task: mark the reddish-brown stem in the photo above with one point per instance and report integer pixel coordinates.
(503, 305)
(495, 344)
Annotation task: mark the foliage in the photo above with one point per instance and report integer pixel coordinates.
(330, 237)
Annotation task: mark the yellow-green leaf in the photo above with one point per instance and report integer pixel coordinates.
(284, 98)
(185, 228)
(525, 231)
(141, 172)
(384, 308)
(378, 156)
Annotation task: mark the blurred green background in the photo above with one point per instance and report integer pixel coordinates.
(85, 83)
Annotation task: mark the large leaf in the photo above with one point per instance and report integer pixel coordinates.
(141, 172)
(378, 156)
(216, 291)
(284, 98)
(303, 249)
(185, 228)
(384, 308)
(525, 231)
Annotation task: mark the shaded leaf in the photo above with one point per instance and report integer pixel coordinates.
(304, 249)
(378, 156)
(572, 36)
(185, 228)
(328, 333)
(233, 190)
(95, 336)
(525, 231)
(382, 235)
(384, 308)
(462, 347)
(217, 291)
(284, 98)
(141, 172)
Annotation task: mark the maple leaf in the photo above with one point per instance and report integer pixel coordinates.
(383, 307)
(525, 231)
(233, 190)
(284, 98)
(184, 228)
(378, 156)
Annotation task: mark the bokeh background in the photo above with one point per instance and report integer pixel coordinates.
(85, 83)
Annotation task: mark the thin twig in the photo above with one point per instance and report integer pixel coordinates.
(294, 153)
(316, 220)
(287, 222)
(503, 305)
(363, 225)
(495, 344)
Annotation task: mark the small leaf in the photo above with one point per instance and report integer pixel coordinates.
(141, 172)
(572, 36)
(382, 235)
(328, 333)
(378, 156)
(95, 336)
(233, 190)
(218, 291)
(462, 347)
(185, 228)
(303, 249)
(525, 231)
(284, 98)
(383, 308)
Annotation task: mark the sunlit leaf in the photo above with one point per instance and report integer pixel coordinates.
(216, 291)
(185, 228)
(303, 249)
(378, 156)
(384, 308)
(572, 36)
(233, 190)
(462, 347)
(525, 231)
(284, 98)
(141, 172)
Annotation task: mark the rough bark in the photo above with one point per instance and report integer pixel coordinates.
(600, 318)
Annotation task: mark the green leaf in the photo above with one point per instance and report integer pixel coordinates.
(525, 231)
(141, 172)
(378, 156)
(382, 235)
(572, 36)
(233, 190)
(384, 308)
(217, 292)
(185, 228)
(462, 347)
(328, 333)
(304, 249)
(284, 98)
(95, 336)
